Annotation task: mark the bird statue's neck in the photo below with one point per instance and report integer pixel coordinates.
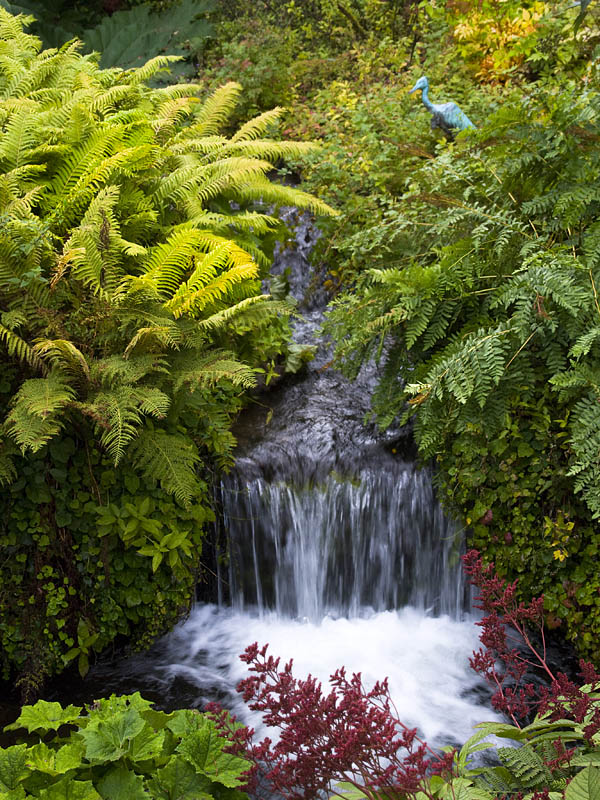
(426, 101)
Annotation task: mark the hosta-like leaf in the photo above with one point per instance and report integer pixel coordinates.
(585, 785)
(178, 779)
(13, 767)
(44, 716)
(70, 789)
(109, 740)
(120, 782)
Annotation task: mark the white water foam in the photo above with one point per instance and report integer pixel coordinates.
(424, 657)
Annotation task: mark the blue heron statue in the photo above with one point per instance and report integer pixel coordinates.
(446, 116)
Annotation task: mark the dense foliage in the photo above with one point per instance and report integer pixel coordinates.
(119, 748)
(491, 329)
(129, 36)
(131, 251)
(470, 266)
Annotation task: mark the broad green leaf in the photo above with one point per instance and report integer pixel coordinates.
(14, 794)
(156, 719)
(68, 789)
(185, 720)
(501, 729)
(587, 759)
(147, 744)
(178, 780)
(13, 766)
(227, 769)
(55, 762)
(110, 739)
(585, 785)
(119, 783)
(44, 716)
(463, 789)
(199, 747)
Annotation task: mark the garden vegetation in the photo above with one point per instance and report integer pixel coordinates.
(136, 224)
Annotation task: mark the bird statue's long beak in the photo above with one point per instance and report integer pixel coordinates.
(414, 89)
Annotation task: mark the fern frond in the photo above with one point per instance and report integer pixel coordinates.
(171, 460)
(266, 192)
(62, 353)
(16, 346)
(167, 263)
(222, 318)
(117, 370)
(158, 336)
(258, 126)
(151, 68)
(36, 416)
(216, 110)
(217, 367)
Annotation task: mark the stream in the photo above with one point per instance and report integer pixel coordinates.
(332, 548)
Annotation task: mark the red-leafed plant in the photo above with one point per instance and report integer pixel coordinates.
(509, 655)
(351, 737)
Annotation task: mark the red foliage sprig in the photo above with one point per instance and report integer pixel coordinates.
(350, 735)
(505, 664)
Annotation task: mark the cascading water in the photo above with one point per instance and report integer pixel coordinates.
(377, 541)
(334, 551)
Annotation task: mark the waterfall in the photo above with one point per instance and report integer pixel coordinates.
(333, 549)
(340, 547)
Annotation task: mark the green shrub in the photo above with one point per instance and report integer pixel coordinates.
(119, 748)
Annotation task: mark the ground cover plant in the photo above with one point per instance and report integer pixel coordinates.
(120, 748)
(132, 321)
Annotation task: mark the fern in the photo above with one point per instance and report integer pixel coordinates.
(122, 260)
(36, 416)
(171, 460)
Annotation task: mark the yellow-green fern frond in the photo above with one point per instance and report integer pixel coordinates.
(178, 90)
(95, 248)
(20, 348)
(185, 143)
(19, 136)
(205, 285)
(120, 414)
(38, 411)
(245, 221)
(11, 30)
(280, 195)
(118, 371)
(215, 111)
(150, 69)
(263, 305)
(171, 112)
(159, 337)
(62, 353)
(113, 97)
(256, 127)
(217, 289)
(217, 367)
(270, 150)
(168, 262)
